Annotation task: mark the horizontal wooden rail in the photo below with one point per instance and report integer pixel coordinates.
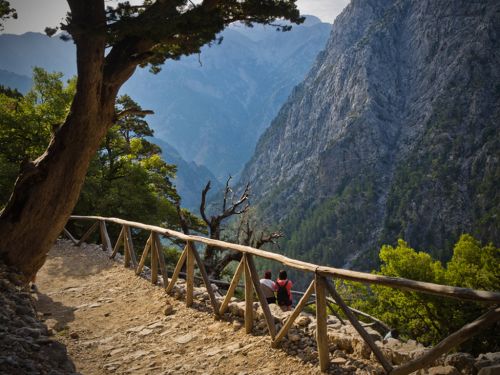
(394, 282)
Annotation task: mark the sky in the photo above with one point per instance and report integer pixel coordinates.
(35, 15)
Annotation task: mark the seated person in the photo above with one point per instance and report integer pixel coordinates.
(284, 292)
(268, 286)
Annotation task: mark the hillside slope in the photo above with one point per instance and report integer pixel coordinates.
(394, 133)
(190, 178)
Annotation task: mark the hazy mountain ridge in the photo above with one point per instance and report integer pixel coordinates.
(17, 81)
(21, 53)
(211, 107)
(214, 107)
(392, 134)
(190, 179)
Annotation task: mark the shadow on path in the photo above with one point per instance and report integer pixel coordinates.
(56, 315)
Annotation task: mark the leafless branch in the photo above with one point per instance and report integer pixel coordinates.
(182, 219)
(227, 189)
(234, 208)
(268, 238)
(228, 258)
(245, 232)
(203, 203)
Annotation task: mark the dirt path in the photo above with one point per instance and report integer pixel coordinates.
(113, 322)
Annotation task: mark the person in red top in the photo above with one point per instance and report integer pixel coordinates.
(284, 293)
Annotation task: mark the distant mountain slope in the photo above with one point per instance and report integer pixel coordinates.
(394, 133)
(21, 53)
(15, 81)
(191, 178)
(213, 107)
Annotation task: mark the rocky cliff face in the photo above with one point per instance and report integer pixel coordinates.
(394, 133)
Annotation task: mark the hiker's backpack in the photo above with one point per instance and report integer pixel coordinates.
(282, 295)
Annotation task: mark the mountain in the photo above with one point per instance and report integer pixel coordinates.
(393, 133)
(191, 178)
(13, 80)
(214, 106)
(21, 53)
(211, 107)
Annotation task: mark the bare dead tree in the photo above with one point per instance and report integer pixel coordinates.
(230, 207)
(246, 233)
(183, 222)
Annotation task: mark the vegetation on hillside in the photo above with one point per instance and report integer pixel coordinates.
(429, 318)
(453, 169)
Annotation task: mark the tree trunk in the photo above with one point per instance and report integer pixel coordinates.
(47, 189)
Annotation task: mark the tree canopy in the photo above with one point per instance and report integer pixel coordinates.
(429, 318)
(128, 178)
(28, 122)
(150, 33)
(6, 11)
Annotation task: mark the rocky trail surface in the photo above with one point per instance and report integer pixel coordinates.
(97, 317)
(113, 321)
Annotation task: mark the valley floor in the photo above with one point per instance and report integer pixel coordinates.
(113, 321)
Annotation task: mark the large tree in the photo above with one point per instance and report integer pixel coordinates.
(111, 42)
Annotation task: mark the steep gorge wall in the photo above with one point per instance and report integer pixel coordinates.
(394, 133)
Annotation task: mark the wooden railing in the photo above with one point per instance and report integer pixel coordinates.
(321, 285)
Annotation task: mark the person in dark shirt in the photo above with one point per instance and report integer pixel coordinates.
(284, 292)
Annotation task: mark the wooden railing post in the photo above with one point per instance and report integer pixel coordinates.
(154, 262)
(177, 270)
(87, 233)
(452, 341)
(161, 258)
(189, 275)
(144, 255)
(106, 242)
(119, 241)
(354, 321)
(260, 294)
(126, 250)
(283, 331)
(232, 287)
(321, 327)
(70, 236)
(248, 297)
(206, 281)
(130, 248)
